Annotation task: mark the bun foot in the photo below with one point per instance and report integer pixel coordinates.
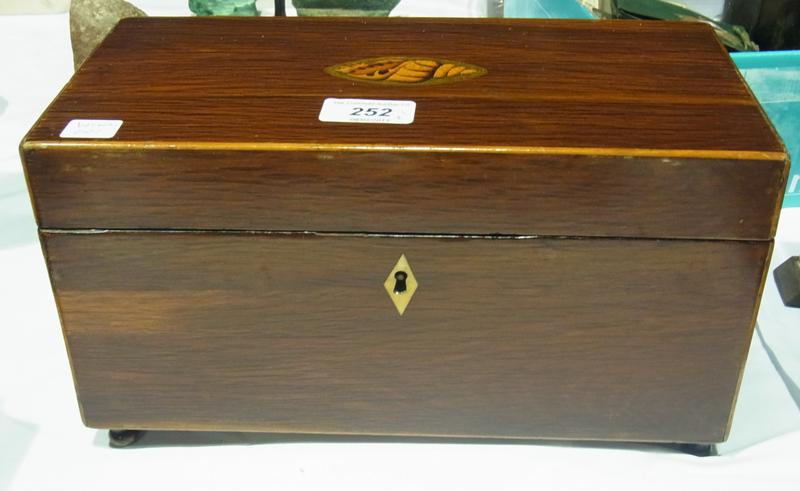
(123, 438)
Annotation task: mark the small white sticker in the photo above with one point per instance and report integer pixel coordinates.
(91, 128)
(367, 111)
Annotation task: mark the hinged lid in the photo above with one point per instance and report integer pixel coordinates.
(518, 127)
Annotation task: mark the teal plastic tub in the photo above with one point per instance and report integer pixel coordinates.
(774, 77)
(545, 9)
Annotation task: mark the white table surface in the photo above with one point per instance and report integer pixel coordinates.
(43, 444)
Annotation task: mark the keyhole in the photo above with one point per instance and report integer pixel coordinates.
(400, 282)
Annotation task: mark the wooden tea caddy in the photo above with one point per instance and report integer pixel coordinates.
(568, 241)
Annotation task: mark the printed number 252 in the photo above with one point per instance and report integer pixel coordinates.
(371, 111)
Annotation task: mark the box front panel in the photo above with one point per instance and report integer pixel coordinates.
(532, 338)
(400, 192)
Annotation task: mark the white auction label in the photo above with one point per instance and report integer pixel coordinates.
(367, 111)
(91, 128)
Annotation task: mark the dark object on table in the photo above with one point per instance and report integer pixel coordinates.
(787, 278)
(349, 8)
(506, 263)
(733, 36)
(773, 24)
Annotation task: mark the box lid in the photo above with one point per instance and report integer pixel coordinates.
(520, 127)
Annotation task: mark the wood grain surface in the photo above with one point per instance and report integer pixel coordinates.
(400, 192)
(529, 338)
(616, 84)
(613, 129)
(589, 224)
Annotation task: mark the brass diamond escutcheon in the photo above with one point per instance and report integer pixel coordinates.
(401, 284)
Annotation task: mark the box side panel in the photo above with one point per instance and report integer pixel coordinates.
(536, 338)
(407, 192)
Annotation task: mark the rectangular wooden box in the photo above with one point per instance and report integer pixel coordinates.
(586, 209)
